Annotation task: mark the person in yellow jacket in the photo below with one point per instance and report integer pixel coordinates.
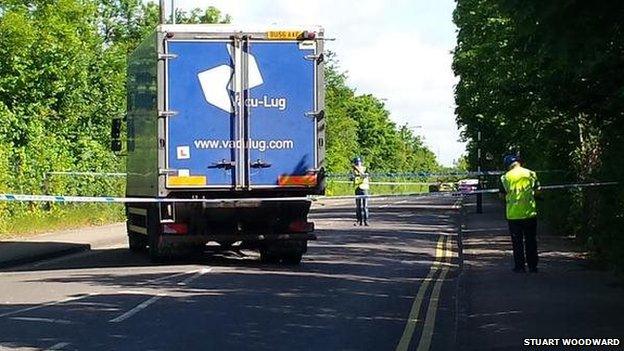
(361, 182)
(519, 186)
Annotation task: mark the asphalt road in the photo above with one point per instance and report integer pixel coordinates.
(358, 288)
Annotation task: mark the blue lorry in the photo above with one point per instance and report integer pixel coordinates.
(236, 115)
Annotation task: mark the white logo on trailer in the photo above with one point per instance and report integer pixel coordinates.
(217, 84)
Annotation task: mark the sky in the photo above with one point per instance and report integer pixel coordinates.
(399, 51)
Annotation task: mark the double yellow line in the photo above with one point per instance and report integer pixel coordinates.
(441, 263)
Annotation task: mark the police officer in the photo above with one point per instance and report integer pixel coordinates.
(362, 184)
(518, 186)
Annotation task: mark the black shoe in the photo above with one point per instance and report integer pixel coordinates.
(519, 270)
(533, 270)
(366, 224)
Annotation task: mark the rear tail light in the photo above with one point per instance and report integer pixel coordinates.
(175, 228)
(302, 180)
(309, 35)
(301, 227)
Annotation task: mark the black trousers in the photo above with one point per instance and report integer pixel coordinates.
(523, 238)
(361, 206)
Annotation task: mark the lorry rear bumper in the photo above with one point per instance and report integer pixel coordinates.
(175, 240)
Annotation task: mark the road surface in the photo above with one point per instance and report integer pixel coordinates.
(384, 287)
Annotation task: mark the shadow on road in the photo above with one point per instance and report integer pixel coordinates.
(354, 280)
(14, 253)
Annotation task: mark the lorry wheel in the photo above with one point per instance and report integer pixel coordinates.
(292, 258)
(226, 245)
(137, 242)
(197, 250)
(267, 256)
(156, 252)
(294, 252)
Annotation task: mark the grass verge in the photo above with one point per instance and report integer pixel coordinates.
(60, 217)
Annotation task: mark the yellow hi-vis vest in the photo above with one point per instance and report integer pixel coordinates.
(519, 185)
(360, 178)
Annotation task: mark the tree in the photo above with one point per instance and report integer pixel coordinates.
(62, 80)
(360, 125)
(544, 78)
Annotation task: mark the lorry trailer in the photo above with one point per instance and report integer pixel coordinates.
(221, 112)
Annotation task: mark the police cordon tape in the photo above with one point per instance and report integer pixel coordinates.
(111, 199)
(387, 183)
(434, 174)
(89, 174)
(329, 175)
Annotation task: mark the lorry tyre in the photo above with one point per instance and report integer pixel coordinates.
(153, 235)
(226, 245)
(155, 252)
(268, 256)
(293, 258)
(137, 242)
(197, 250)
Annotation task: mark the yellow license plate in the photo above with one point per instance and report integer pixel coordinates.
(284, 35)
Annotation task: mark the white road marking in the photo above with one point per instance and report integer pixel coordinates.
(334, 219)
(62, 258)
(58, 346)
(71, 299)
(143, 305)
(47, 304)
(131, 292)
(38, 319)
(195, 276)
(165, 278)
(475, 230)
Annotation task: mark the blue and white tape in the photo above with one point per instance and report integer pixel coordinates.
(111, 199)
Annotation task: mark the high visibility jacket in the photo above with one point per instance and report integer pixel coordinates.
(519, 185)
(360, 178)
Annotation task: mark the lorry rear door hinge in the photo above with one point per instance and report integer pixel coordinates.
(164, 114)
(163, 171)
(318, 58)
(316, 114)
(167, 56)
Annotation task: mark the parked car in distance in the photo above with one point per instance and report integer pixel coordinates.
(468, 185)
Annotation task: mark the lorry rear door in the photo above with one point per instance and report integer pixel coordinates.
(281, 99)
(201, 129)
(241, 113)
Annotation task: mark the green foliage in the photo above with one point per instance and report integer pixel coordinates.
(342, 143)
(62, 80)
(544, 78)
(65, 217)
(361, 125)
(461, 165)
